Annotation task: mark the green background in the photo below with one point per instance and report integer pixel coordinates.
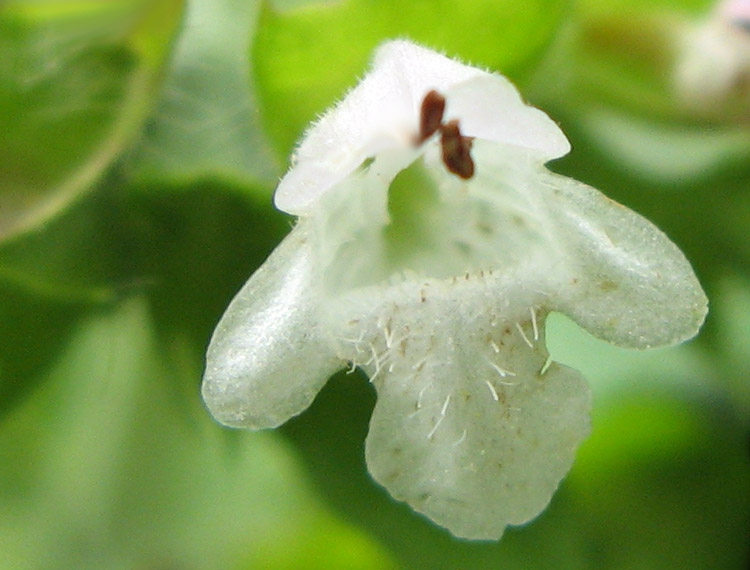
(140, 143)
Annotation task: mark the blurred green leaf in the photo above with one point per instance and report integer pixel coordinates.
(666, 153)
(33, 331)
(206, 123)
(664, 475)
(306, 58)
(75, 257)
(193, 249)
(611, 369)
(78, 78)
(664, 480)
(189, 251)
(113, 463)
(730, 213)
(732, 311)
(636, 6)
(328, 545)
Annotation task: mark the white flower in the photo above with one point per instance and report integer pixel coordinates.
(714, 58)
(431, 245)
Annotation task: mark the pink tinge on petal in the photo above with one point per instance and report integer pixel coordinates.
(735, 11)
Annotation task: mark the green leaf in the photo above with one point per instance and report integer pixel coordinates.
(666, 153)
(663, 468)
(33, 330)
(191, 250)
(78, 79)
(73, 258)
(666, 462)
(631, 7)
(195, 249)
(733, 339)
(206, 124)
(306, 58)
(611, 369)
(114, 463)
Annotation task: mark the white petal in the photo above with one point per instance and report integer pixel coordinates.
(489, 107)
(629, 283)
(268, 357)
(382, 112)
(471, 428)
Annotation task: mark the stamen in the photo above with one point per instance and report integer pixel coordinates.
(456, 150)
(431, 115)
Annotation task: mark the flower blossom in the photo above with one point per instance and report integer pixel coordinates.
(431, 245)
(714, 58)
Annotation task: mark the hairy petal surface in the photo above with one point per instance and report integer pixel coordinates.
(605, 266)
(473, 427)
(630, 284)
(268, 358)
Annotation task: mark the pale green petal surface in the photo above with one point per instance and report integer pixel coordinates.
(267, 359)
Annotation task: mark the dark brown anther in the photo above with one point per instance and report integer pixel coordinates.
(431, 115)
(456, 150)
